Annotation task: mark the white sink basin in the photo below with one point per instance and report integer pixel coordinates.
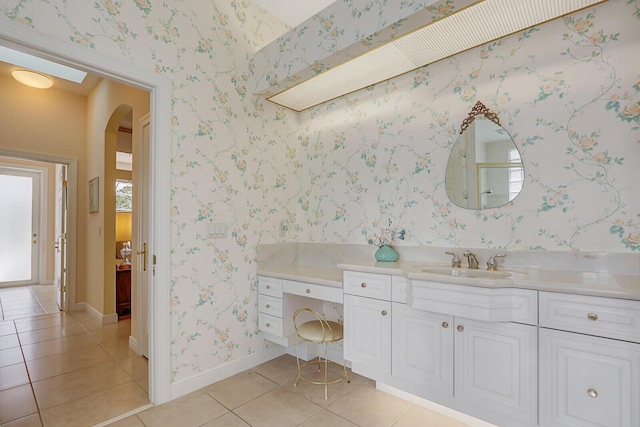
(466, 273)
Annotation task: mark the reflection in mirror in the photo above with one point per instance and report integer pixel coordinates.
(484, 169)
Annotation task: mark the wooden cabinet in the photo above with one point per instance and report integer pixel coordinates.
(496, 367)
(367, 334)
(589, 376)
(422, 345)
(123, 293)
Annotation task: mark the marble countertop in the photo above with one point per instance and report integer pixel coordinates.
(571, 282)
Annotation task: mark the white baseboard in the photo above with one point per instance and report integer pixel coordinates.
(451, 413)
(134, 346)
(219, 373)
(104, 319)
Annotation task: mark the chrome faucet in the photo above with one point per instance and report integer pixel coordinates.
(471, 257)
(455, 262)
(492, 264)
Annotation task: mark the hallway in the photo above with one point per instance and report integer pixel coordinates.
(63, 369)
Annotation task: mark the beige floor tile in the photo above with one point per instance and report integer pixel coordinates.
(56, 346)
(240, 389)
(10, 356)
(80, 316)
(417, 416)
(131, 421)
(43, 322)
(8, 341)
(13, 375)
(277, 408)
(39, 335)
(191, 410)
(32, 420)
(112, 332)
(96, 408)
(16, 403)
(362, 406)
(7, 327)
(326, 418)
(315, 392)
(281, 370)
(70, 361)
(78, 384)
(227, 420)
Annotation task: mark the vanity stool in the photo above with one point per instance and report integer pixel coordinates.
(320, 331)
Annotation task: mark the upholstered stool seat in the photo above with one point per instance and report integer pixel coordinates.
(320, 331)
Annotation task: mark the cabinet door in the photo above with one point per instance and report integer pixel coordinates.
(367, 336)
(422, 348)
(496, 367)
(587, 381)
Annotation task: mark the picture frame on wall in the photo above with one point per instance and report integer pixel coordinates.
(94, 199)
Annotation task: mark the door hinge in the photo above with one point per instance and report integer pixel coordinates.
(64, 184)
(64, 288)
(154, 260)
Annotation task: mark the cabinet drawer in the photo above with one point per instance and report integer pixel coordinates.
(270, 286)
(270, 305)
(368, 285)
(588, 381)
(326, 293)
(605, 317)
(271, 324)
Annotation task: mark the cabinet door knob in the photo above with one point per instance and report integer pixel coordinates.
(384, 312)
(268, 325)
(364, 285)
(592, 316)
(445, 325)
(592, 392)
(268, 305)
(308, 291)
(460, 328)
(268, 286)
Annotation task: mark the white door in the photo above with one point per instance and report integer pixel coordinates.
(496, 367)
(143, 275)
(422, 348)
(367, 336)
(60, 244)
(19, 226)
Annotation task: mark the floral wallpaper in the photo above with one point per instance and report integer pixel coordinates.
(567, 91)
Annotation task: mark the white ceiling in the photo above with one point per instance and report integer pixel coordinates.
(293, 12)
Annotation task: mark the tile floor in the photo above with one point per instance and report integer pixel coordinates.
(64, 369)
(264, 396)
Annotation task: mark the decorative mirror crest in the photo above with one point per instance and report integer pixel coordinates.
(484, 169)
(478, 109)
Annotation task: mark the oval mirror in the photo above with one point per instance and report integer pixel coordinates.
(485, 169)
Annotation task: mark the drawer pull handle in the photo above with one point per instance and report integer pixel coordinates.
(308, 291)
(460, 328)
(268, 305)
(445, 325)
(268, 325)
(384, 312)
(364, 285)
(594, 317)
(592, 392)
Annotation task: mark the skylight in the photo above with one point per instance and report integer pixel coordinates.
(44, 66)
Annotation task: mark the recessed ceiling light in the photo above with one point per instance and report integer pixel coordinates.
(33, 79)
(40, 65)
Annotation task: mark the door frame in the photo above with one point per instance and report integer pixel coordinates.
(28, 40)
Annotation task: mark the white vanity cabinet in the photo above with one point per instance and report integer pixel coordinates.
(367, 322)
(496, 367)
(590, 369)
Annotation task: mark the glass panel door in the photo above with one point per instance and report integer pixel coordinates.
(19, 226)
